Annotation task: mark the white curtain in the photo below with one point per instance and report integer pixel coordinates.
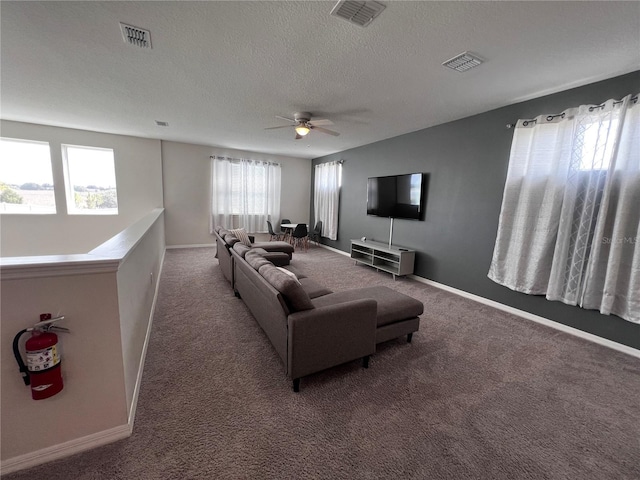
(326, 197)
(570, 220)
(244, 194)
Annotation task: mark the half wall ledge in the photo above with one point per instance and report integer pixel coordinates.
(108, 299)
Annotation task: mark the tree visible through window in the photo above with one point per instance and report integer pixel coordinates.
(91, 180)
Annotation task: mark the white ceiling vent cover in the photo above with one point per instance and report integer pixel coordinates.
(360, 13)
(463, 62)
(136, 36)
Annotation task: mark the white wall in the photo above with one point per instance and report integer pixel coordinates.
(93, 398)
(137, 281)
(138, 165)
(186, 182)
(107, 297)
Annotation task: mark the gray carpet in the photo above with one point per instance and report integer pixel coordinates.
(479, 394)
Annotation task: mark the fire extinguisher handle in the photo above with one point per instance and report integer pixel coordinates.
(16, 352)
(55, 328)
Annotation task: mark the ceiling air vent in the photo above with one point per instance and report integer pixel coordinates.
(360, 13)
(463, 62)
(138, 37)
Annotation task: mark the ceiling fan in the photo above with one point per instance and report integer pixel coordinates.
(303, 124)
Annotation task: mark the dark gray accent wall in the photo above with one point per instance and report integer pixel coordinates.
(467, 164)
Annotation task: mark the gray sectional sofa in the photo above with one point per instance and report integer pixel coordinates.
(311, 327)
(279, 253)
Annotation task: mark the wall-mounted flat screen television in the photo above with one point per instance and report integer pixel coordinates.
(397, 196)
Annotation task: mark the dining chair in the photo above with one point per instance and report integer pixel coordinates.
(316, 233)
(300, 236)
(274, 235)
(286, 232)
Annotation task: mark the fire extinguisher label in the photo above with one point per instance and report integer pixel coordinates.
(43, 359)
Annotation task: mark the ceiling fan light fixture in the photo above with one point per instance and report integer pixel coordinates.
(302, 130)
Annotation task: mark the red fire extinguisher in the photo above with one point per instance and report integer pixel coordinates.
(43, 369)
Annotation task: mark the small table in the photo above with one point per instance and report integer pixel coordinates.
(288, 226)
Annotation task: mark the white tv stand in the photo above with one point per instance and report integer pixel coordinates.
(397, 261)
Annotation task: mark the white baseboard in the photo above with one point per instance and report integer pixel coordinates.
(143, 356)
(346, 254)
(520, 313)
(534, 318)
(195, 245)
(65, 449)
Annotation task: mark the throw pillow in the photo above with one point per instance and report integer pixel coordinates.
(291, 274)
(241, 235)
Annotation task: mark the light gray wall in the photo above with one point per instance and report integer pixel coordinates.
(186, 181)
(467, 165)
(138, 167)
(137, 282)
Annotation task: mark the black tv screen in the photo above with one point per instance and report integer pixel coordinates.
(397, 196)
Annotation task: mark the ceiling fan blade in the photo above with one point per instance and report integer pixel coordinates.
(287, 119)
(298, 136)
(321, 122)
(281, 126)
(324, 130)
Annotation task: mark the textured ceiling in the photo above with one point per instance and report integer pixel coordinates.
(219, 72)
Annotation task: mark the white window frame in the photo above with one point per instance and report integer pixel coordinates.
(69, 185)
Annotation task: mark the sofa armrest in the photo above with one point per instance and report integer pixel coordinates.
(330, 335)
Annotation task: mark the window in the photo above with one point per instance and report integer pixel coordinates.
(90, 180)
(244, 193)
(26, 179)
(326, 197)
(254, 199)
(596, 138)
(568, 226)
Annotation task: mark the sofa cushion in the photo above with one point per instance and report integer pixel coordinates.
(289, 272)
(230, 239)
(279, 259)
(241, 249)
(242, 235)
(298, 273)
(313, 288)
(292, 292)
(392, 306)
(256, 260)
(277, 246)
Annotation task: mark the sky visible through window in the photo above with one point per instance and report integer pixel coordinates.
(91, 180)
(597, 145)
(25, 161)
(26, 179)
(91, 166)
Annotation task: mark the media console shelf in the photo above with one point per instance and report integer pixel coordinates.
(395, 260)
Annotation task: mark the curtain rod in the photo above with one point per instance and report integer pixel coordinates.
(217, 157)
(591, 109)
